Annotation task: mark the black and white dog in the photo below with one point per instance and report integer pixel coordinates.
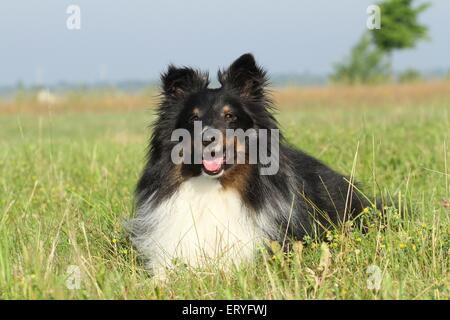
(216, 209)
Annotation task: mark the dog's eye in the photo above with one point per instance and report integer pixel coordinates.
(230, 117)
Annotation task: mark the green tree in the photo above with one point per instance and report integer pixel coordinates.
(400, 26)
(366, 64)
(370, 58)
(409, 75)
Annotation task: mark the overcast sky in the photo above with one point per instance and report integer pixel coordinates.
(121, 40)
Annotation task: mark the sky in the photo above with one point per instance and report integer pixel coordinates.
(135, 40)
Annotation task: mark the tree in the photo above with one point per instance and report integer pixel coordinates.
(366, 64)
(369, 60)
(409, 75)
(400, 28)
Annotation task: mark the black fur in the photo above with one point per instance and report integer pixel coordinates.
(305, 195)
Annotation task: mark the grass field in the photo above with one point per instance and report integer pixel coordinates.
(67, 175)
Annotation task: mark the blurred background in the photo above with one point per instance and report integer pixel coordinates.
(78, 87)
(126, 45)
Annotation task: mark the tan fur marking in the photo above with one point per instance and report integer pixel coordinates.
(236, 177)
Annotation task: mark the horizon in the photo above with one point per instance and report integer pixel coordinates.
(121, 42)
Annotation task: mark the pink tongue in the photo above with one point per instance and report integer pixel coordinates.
(213, 164)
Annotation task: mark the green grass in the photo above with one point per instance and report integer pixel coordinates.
(66, 187)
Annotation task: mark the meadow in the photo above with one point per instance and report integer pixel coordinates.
(68, 172)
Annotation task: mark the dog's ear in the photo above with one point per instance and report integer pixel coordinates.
(245, 76)
(179, 82)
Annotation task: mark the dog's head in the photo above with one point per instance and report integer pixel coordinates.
(211, 115)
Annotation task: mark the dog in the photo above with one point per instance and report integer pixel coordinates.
(217, 210)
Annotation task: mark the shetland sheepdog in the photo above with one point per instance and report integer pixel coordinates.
(217, 209)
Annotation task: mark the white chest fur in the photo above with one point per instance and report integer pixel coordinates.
(201, 222)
